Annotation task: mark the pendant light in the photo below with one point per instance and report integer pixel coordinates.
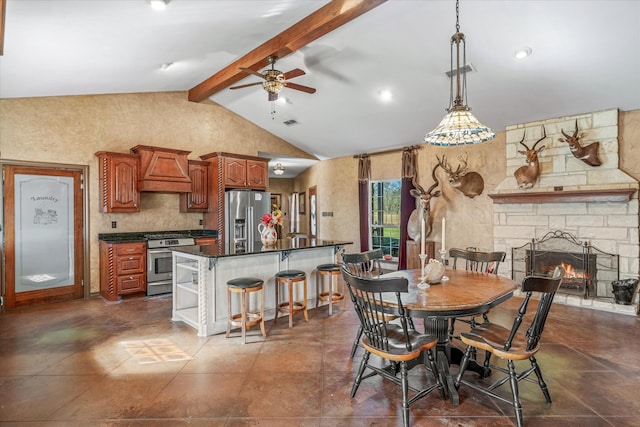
(459, 126)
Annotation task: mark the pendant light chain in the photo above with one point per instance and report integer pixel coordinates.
(457, 16)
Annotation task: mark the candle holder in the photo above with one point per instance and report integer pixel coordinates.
(443, 252)
(422, 284)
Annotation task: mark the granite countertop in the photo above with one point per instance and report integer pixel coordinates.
(213, 251)
(140, 235)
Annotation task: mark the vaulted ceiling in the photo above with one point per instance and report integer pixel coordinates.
(584, 58)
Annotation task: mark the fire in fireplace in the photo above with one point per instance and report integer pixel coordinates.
(581, 269)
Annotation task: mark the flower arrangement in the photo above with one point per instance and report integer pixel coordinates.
(273, 218)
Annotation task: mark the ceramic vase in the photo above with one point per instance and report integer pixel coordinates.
(433, 271)
(268, 234)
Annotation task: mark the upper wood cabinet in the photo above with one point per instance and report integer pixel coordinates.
(118, 174)
(163, 169)
(239, 171)
(258, 174)
(198, 199)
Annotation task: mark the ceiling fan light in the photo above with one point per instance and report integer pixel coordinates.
(278, 169)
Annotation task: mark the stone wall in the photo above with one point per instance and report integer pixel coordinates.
(610, 226)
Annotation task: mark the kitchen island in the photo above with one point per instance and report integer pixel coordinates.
(200, 275)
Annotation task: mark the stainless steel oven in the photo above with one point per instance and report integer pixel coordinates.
(159, 261)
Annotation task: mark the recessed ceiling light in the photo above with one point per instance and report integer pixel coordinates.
(522, 52)
(158, 4)
(166, 65)
(385, 95)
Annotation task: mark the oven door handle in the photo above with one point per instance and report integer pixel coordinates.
(158, 251)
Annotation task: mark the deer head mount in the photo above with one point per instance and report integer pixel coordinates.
(588, 154)
(470, 184)
(425, 198)
(527, 175)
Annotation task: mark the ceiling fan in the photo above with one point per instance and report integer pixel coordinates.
(275, 80)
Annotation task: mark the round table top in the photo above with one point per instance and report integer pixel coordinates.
(465, 293)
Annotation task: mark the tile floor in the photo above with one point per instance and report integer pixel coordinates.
(92, 363)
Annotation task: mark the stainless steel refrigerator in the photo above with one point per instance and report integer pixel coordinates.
(243, 210)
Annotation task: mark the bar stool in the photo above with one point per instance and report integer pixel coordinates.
(245, 319)
(291, 307)
(333, 271)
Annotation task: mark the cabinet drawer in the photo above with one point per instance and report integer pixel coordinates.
(130, 248)
(130, 264)
(206, 240)
(131, 284)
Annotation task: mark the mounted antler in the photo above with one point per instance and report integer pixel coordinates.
(470, 184)
(588, 154)
(527, 175)
(425, 198)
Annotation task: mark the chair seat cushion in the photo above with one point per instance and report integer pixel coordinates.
(245, 282)
(491, 337)
(329, 267)
(290, 274)
(397, 345)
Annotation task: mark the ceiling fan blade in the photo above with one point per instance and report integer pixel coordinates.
(293, 73)
(247, 85)
(273, 96)
(250, 71)
(300, 87)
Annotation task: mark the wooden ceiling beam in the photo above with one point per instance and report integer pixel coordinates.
(322, 21)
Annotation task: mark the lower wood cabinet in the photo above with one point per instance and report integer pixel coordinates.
(122, 269)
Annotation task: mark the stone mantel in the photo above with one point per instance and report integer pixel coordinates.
(565, 196)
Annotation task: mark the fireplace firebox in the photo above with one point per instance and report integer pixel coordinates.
(580, 269)
(589, 271)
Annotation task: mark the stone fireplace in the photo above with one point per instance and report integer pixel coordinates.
(596, 205)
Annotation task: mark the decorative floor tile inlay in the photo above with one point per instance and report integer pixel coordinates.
(155, 351)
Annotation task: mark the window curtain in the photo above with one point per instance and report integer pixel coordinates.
(364, 176)
(407, 201)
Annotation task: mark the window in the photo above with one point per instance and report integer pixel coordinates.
(385, 216)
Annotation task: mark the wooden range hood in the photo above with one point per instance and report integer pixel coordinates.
(163, 169)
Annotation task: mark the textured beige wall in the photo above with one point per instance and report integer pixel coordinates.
(469, 221)
(70, 130)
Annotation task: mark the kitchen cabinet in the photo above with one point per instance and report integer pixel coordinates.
(122, 269)
(203, 241)
(238, 171)
(231, 171)
(118, 182)
(198, 199)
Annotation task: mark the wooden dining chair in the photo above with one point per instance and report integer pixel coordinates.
(517, 343)
(364, 264)
(375, 300)
(484, 262)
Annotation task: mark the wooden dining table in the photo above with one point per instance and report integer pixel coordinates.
(465, 293)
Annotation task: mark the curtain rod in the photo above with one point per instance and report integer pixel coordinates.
(393, 150)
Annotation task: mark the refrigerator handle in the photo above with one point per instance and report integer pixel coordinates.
(250, 225)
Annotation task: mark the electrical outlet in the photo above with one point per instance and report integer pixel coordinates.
(113, 224)
(200, 222)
